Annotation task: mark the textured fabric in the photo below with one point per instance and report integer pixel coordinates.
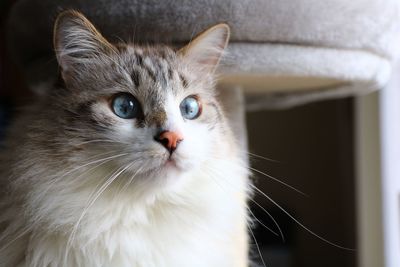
(352, 41)
(355, 72)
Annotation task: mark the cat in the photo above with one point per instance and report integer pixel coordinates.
(129, 161)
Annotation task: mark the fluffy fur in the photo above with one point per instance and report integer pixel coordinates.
(83, 187)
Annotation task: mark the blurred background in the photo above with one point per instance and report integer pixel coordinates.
(321, 148)
(13, 89)
(313, 149)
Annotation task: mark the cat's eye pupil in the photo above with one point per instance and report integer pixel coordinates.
(190, 108)
(125, 106)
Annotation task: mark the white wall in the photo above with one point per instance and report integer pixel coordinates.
(368, 182)
(390, 139)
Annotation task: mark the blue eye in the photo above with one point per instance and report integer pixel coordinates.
(125, 106)
(190, 108)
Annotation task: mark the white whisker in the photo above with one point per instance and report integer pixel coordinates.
(131, 179)
(102, 161)
(101, 141)
(271, 217)
(257, 246)
(300, 224)
(261, 223)
(261, 157)
(91, 200)
(24, 231)
(279, 181)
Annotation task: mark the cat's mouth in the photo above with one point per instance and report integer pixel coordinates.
(165, 163)
(170, 163)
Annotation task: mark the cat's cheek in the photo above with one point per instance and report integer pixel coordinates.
(125, 127)
(194, 150)
(126, 131)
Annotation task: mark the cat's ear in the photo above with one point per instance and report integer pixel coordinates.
(207, 48)
(76, 40)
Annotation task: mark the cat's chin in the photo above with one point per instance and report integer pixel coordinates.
(164, 167)
(179, 165)
(172, 167)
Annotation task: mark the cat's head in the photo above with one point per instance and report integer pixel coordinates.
(151, 110)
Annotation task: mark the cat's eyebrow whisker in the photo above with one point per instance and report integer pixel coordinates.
(298, 222)
(279, 181)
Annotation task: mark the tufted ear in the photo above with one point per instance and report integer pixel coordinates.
(77, 41)
(207, 48)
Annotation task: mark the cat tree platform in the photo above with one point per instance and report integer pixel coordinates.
(282, 53)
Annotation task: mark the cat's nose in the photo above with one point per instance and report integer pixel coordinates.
(170, 140)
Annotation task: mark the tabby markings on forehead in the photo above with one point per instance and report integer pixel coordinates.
(135, 78)
(184, 81)
(149, 68)
(139, 59)
(166, 54)
(170, 73)
(162, 67)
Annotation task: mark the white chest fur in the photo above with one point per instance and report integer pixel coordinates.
(203, 225)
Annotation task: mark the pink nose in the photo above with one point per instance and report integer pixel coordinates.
(170, 140)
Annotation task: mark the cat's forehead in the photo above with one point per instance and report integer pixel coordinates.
(155, 69)
(154, 75)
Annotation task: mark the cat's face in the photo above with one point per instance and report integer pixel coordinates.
(151, 109)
